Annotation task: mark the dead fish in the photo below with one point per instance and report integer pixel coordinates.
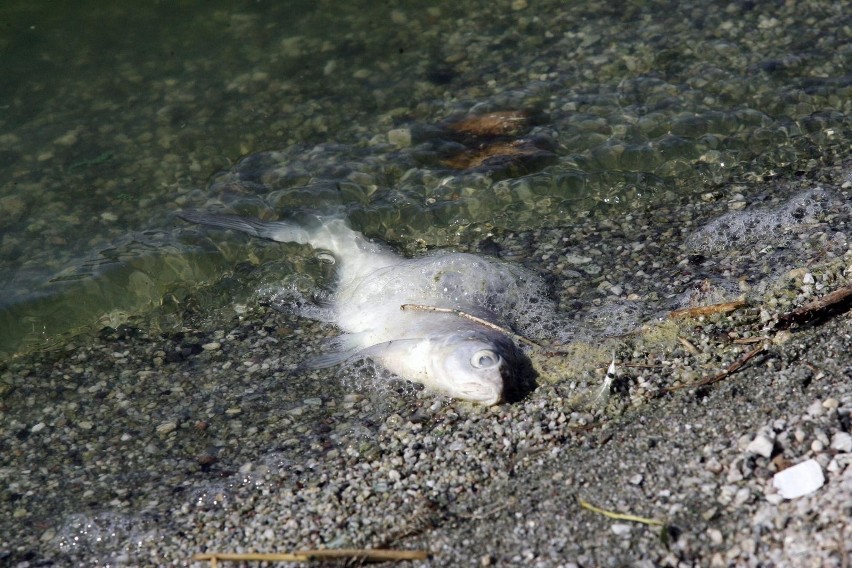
(444, 351)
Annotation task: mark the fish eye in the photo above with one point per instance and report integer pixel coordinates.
(484, 358)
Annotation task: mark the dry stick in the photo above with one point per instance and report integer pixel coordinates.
(732, 368)
(723, 308)
(822, 308)
(369, 555)
(486, 323)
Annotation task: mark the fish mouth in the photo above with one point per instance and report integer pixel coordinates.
(480, 394)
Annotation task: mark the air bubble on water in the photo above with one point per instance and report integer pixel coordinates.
(763, 226)
(210, 496)
(617, 318)
(112, 537)
(299, 295)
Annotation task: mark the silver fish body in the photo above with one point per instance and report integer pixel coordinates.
(445, 351)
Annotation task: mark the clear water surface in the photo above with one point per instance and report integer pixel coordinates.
(113, 117)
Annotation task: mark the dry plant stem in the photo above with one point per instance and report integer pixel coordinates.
(368, 555)
(488, 324)
(688, 345)
(818, 310)
(723, 308)
(732, 368)
(618, 516)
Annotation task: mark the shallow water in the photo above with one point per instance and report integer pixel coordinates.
(114, 118)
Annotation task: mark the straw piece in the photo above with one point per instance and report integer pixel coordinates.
(619, 516)
(365, 554)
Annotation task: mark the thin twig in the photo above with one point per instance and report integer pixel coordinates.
(732, 368)
(460, 313)
(366, 554)
(723, 308)
(619, 516)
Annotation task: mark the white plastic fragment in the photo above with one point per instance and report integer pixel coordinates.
(798, 480)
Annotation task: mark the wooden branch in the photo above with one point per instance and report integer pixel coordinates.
(730, 370)
(818, 310)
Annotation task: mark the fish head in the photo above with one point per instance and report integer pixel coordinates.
(474, 366)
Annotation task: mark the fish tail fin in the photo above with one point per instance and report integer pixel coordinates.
(332, 234)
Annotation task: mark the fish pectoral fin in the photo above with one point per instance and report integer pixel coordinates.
(339, 350)
(387, 347)
(327, 360)
(379, 351)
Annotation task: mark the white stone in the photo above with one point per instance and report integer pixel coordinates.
(761, 445)
(799, 480)
(400, 137)
(166, 428)
(715, 536)
(621, 529)
(577, 259)
(842, 442)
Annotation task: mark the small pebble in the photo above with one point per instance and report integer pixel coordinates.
(761, 446)
(166, 428)
(842, 442)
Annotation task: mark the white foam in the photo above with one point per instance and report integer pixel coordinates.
(112, 537)
(765, 226)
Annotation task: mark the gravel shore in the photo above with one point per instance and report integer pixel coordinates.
(221, 443)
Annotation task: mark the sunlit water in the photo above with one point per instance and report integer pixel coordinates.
(114, 119)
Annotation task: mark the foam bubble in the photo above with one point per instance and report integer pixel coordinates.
(762, 226)
(112, 537)
(615, 319)
(299, 294)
